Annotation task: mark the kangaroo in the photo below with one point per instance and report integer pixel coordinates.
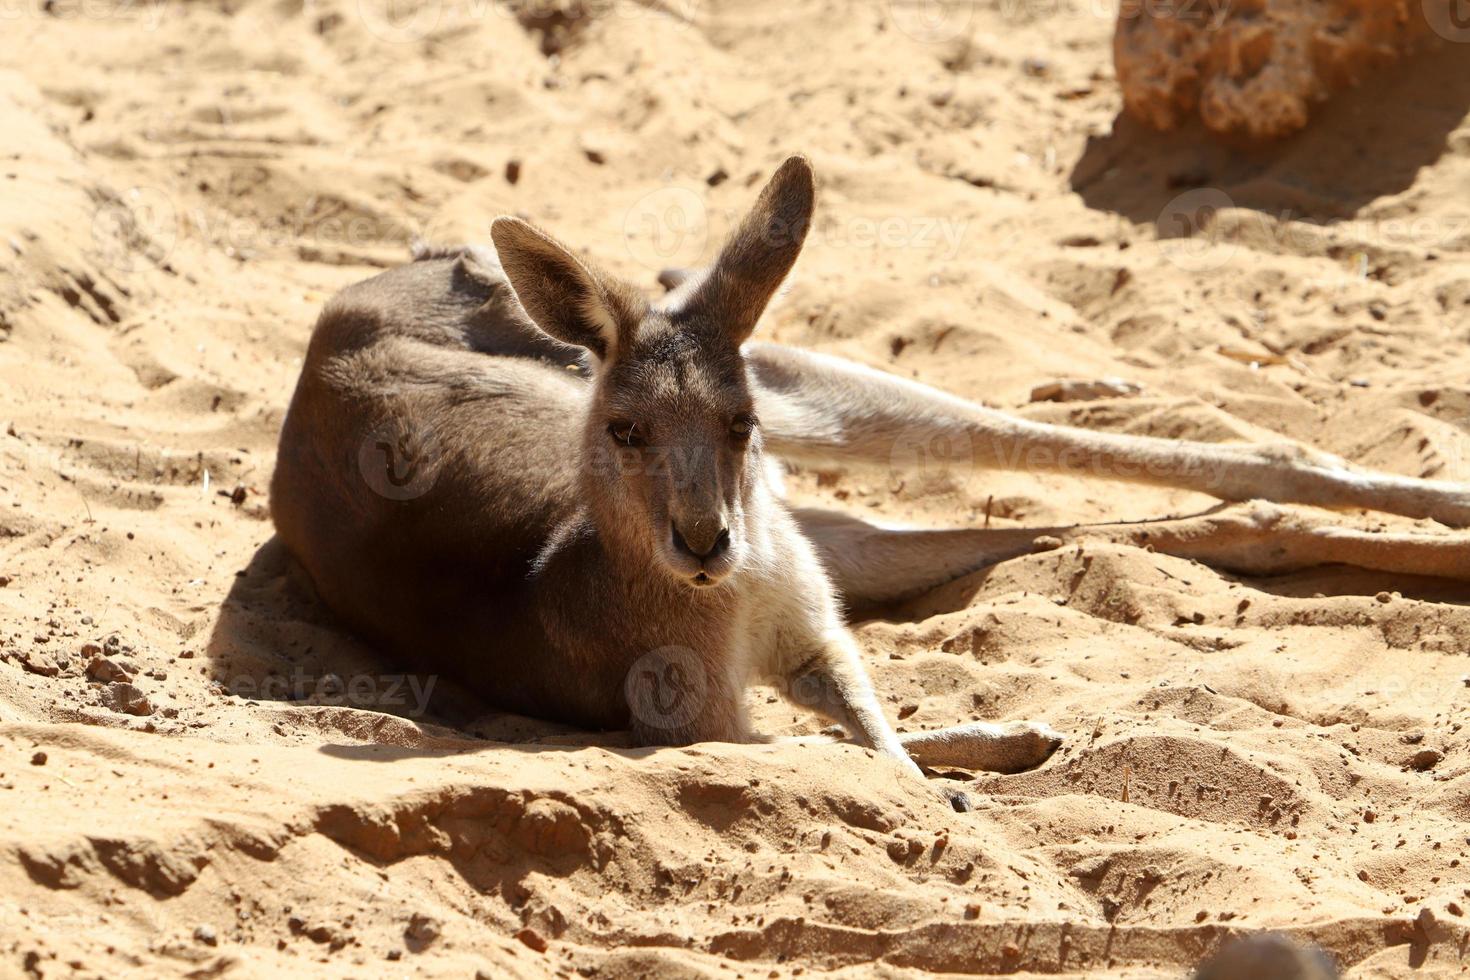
(512, 468)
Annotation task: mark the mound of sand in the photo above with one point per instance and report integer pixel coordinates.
(200, 776)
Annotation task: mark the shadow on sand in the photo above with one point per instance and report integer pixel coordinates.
(274, 642)
(1363, 145)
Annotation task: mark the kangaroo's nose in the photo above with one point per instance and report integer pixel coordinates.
(711, 543)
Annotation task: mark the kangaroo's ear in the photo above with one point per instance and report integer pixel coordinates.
(563, 295)
(750, 268)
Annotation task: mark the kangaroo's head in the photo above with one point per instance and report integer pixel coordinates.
(671, 452)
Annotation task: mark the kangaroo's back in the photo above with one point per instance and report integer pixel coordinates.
(428, 453)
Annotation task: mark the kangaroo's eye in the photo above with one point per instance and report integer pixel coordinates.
(625, 433)
(742, 427)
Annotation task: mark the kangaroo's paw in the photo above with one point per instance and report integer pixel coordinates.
(1010, 747)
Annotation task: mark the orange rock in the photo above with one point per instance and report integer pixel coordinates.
(1255, 68)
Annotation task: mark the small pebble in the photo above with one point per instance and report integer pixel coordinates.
(124, 697)
(422, 930)
(106, 670)
(1425, 759)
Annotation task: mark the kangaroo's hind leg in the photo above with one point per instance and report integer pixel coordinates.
(872, 565)
(820, 409)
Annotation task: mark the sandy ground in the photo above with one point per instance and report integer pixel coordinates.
(183, 185)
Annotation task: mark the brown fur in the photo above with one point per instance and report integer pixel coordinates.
(511, 469)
